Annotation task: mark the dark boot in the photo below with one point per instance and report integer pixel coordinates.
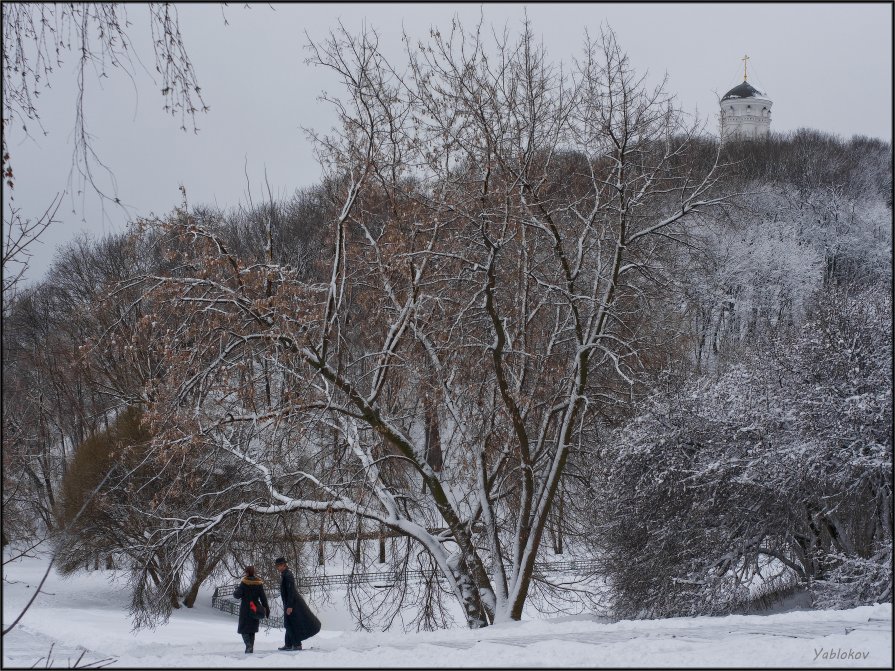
(249, 640)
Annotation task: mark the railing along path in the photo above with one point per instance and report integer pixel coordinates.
(222, 599)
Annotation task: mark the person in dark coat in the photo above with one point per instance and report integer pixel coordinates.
(299, 621)
(250, 587)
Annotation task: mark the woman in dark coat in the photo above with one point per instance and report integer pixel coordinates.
(251, 587)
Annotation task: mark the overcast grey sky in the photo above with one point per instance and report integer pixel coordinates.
(825, 66)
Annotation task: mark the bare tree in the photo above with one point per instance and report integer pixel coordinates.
(19, 237)
(500, 219)
(37, 38)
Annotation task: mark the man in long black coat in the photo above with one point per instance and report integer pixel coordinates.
(299, 621)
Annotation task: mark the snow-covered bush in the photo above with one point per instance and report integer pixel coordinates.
(785, 456)
(856, 581)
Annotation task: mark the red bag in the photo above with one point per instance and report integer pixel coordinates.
(256, 609)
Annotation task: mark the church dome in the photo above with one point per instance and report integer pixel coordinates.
(744, 90)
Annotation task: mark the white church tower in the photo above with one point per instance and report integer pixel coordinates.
(745, 111)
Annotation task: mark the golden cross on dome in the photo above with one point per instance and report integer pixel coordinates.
(744, 59)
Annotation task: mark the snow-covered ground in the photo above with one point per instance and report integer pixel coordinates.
(86, 612)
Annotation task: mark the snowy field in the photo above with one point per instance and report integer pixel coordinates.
(87, 613)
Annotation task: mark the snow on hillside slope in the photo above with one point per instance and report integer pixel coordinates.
(86, 612)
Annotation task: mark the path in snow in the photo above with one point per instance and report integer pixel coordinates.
(86, 612)
(790, 639)
(706, 632)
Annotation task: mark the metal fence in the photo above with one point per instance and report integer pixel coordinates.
(222, 599)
